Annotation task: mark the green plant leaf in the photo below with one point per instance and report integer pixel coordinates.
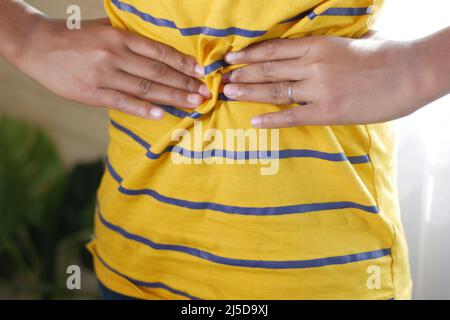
(31, 177)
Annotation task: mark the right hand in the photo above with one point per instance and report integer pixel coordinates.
(103, 66)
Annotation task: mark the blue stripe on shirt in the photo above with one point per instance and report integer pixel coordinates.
(265, 264)
(239, 210)
(155, 285)
(244, 155)
(215, 32)
(191, 31)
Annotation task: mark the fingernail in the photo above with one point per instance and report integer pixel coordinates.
(156, 113)
(194, 99)
(199, 70)
(231, 90)
(256, 122)
(204, 91)
(232, 56)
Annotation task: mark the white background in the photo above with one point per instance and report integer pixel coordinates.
(424, 157)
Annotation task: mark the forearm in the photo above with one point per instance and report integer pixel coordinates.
(432, 65)
(17, 21)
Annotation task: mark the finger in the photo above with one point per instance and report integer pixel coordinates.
(275, 49)
(165, 54)
(159, 72)
(154, 92)
(274, 93)
(298, 116)
(128, 104)
(270, 71)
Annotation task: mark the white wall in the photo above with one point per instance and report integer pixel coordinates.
(424, 158)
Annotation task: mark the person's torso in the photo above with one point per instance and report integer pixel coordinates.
(210, 218)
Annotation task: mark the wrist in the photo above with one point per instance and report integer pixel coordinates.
(432, 64)
(417, 82)
(430, 73)
(20, 42)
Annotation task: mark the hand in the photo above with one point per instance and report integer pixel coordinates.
(103, 66)
(340, 81)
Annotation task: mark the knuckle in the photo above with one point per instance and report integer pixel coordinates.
(178, 95)
(271, 47)
(291, 117)
(103, 55)
(318, 45)
(190, 84)
(246, 54)
(276, 91)
(158, 69)
(120, 102)
(161, 51)
(141, 112)
(269, 68)
(145, 87)
(186, 65)
(247, 91)
(317, 69)
(115, 34)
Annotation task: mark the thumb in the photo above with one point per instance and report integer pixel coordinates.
(297, 116)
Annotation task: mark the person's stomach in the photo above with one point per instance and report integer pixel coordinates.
(218, 207)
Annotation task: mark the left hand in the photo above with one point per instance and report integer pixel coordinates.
(341, 81)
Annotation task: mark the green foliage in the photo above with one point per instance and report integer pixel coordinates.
(45, 212)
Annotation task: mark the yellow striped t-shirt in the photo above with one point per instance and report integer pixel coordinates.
(325, 226)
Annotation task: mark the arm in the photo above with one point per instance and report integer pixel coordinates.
(343, 81)
(98, 65)
(433, 57)
(16, 22)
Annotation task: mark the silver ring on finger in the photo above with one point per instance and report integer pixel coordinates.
(291, 92)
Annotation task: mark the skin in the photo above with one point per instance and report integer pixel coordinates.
(343, 81)
(99, 65)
